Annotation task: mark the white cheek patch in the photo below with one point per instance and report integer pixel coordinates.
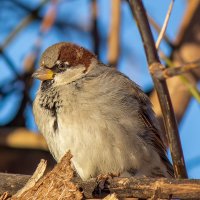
(66, 63)
(58, 62)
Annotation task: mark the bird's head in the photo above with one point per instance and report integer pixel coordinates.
(64, 63)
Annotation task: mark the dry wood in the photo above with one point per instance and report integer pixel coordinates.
(56, 184)
(122, 187)
(111, 197)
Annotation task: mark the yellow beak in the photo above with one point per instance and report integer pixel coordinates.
(43, 74)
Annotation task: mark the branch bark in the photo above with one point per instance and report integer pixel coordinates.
(175, 71)
(186, 51)
(122, 187)
(139, 13)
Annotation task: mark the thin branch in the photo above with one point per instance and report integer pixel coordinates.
(164, 27)
(139, 12)
(175, 71)
(158, 29)
(186, 50)
(188, 83)
(114, 35)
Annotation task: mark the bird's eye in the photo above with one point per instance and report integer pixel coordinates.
(61, 66)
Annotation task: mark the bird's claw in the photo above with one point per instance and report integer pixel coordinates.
(102, 181)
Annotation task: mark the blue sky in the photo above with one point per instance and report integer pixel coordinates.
(132, 58)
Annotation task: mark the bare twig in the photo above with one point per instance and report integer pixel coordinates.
(114, 40)
(164, 27)
(182, 69)
(185, 50)
(161, 88)
(174, 71)
(158, 29)
(4, 196)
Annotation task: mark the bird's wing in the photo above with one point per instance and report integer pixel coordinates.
(147, 116)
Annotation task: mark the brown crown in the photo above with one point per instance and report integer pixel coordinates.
(75, 55)
(66, 52)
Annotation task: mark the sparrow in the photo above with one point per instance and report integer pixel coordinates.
(97, 113)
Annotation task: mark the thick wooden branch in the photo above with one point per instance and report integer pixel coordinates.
(139, 13)
(123, 187)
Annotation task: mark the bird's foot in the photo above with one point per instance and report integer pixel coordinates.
(103, 182)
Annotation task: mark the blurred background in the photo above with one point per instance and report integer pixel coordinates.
(107, 28)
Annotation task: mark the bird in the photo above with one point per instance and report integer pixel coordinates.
(98, 114)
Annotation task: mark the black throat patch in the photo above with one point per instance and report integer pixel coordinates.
(46, 85)
(50, 100)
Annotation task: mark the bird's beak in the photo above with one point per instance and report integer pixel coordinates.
(43, 74)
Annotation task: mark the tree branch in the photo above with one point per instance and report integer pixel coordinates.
(164, 27)
(175, 71)
(139, 13)
(123, 187)
(186, 50)
(158, 29)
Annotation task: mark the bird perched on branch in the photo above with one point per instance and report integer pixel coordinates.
(97, 113)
